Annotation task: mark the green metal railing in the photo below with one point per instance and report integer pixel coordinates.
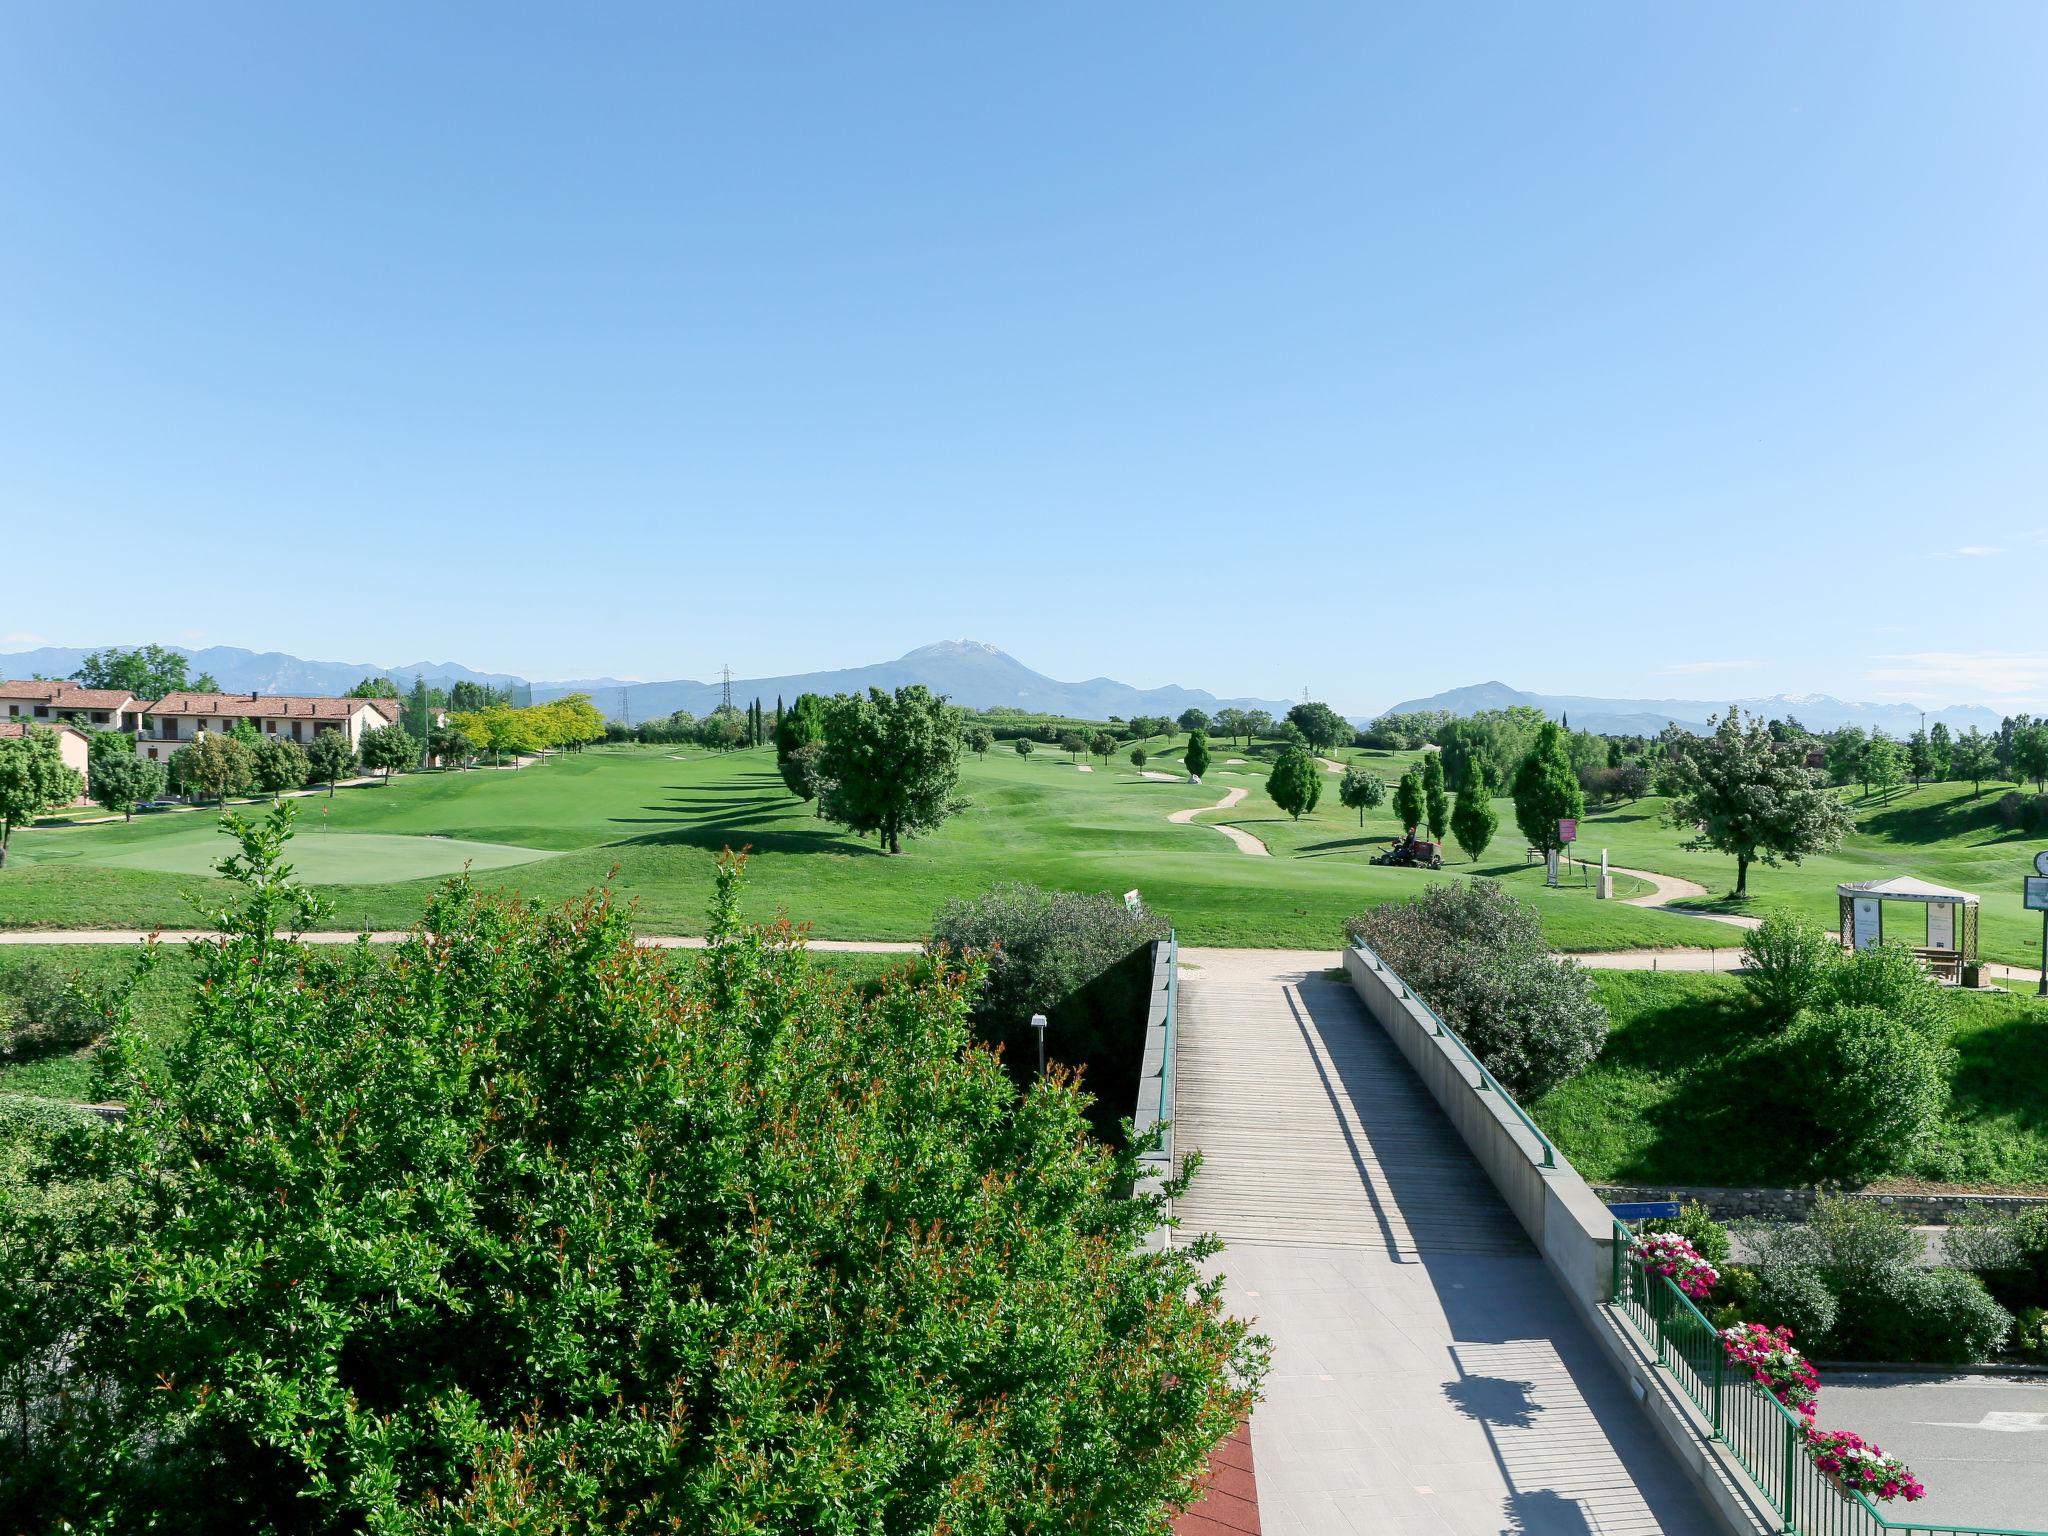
(1488, 1083)
(1765, 1436)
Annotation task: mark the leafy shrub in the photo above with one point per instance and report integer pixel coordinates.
(1477, 956)
(2008, 1253)
(2030, 1334)
(45, 1009)
(1891, 978)
(1794, 1296)
(1080, 959)
(1734, 1299)
(533, 1224)
(1939, 1316)
(1788, 963)
(2022, 812)
(1887, 1307)
(1869, 1085)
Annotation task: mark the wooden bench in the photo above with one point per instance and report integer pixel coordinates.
(1947, 964)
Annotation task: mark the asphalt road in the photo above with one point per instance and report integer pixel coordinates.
(1979, 1443)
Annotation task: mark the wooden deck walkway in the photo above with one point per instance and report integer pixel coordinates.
(1428, 1376)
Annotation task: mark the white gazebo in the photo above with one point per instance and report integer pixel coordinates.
(1951, 926)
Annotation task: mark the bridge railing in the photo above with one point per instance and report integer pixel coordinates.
(1765, 1437)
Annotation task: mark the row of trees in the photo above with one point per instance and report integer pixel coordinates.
(1880, 764)
(148, 672)
(564, 724)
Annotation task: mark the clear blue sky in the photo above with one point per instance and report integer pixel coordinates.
(1614, 348)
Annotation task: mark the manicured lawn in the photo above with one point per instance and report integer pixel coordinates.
(1939, 832)
(1682, 1093)
(654, 820)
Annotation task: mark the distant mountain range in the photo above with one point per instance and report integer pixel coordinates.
(979, 676)
(240, 671)
(965, 671)
(1646, 717)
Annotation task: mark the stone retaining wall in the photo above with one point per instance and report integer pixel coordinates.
(1797, 1204)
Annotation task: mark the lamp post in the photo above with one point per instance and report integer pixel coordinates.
(1038, 1028)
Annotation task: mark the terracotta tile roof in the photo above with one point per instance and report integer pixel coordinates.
(388, 708)
(254, 706)
(1229, 1502)
(10, 728)
(65, 695)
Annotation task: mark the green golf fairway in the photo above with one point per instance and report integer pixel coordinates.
(330, 858)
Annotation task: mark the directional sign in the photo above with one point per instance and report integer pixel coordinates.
(2037, 893)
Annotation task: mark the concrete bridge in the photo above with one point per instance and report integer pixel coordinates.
(1430, 1372)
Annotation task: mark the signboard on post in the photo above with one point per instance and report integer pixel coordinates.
(1567, 829)
(2037, 893)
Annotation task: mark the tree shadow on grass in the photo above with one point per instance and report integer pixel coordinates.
(717, 836)
(1948, 822)
(1342, 845)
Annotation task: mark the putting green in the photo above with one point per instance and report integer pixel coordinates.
(330, 858)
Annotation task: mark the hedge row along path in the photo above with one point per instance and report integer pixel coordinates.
(1246, 843)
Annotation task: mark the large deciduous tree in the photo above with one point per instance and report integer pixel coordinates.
(391, 748)
(1975, 758)
(1361, 791)
(120, 780)
(1320, 726)
(1742, 796)
(1882, 766)
(2030, 754)
(893, 761)
(149, 671)
(277, 765)
(1296, 782)
(1192, 720)
(33, 779)
(1546, 791)
(531, 1229)
(1474, 819)
(216, 764)
(331, 759)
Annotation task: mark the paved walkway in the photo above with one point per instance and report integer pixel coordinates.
(1246, 843)
(1428, 1376)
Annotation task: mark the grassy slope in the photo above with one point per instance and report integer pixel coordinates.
(660, 818)
(1678, 1096)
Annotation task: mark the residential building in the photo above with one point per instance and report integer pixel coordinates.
(179, 718)
(44, 702)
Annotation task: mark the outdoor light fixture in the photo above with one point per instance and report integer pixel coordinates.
(1038, 1024)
